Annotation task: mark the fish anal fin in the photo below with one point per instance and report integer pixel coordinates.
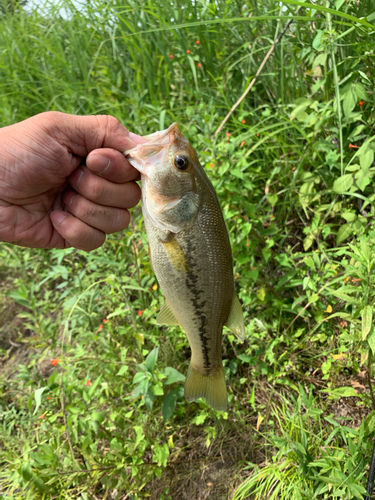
(166, 316)
(176, 255)
(235, 321)
(211, 387)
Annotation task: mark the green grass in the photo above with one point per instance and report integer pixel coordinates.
(109, 420)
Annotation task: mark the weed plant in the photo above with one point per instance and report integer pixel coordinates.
(91, 389)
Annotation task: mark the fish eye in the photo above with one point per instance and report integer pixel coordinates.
(181, 162)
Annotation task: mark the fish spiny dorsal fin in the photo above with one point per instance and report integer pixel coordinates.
(235, 321)
(166, 316)
(210, 387)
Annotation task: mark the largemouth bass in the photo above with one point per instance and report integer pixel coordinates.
(191, 256)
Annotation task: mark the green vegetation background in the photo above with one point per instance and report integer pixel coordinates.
(294, 171)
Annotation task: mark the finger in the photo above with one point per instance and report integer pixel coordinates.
(82, 134)
(111, 165)
(75, 232)
(104, 192)
(106, 219)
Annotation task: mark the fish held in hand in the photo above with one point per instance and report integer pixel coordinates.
(191, 256)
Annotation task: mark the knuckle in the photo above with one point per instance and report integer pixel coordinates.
(84, 237)
(110, 124)
(95, 190)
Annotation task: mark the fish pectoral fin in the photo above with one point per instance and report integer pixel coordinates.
(166, 316)
(235, 321)
(210, 387)
(176, 255)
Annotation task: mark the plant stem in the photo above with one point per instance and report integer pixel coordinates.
(337, 93)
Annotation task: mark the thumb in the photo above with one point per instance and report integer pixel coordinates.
(82, 134)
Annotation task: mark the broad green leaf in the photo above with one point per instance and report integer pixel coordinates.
(151, 359)
(301, 116)
(362, 180)
(52, 378)
(366, 321)
(341, 392)
(26, 471)
(94, 386)
(320, 59)
(370, 422)
(161, 454)
(98, 416)
(357, 490)
(371, 339)
(199, 419)
(343, 296)
(39, 483)
(139, 377)
(365, 249)
(317, 42)
(357, 130)
(308, 241)
(363, 75)
(169, 404)
(38, 397)
(349, 216)
(349, 102)
(73, 409)
(344, 232)
(302, 104)
(149, 399)
(272, 199)
(122, 370)
(139, 435)
(360, 90)
(332, 157)
(157, 389)
(366, 159)
(343, 183)
(313, 298)
(173, 376)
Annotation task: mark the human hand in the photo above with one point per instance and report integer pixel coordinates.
(50, 197)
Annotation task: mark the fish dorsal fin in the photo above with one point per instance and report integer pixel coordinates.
(166, 316)
(235, 321)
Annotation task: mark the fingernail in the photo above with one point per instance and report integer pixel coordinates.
(68, 198)
(102, 163)
(57, 217)
(75, 178)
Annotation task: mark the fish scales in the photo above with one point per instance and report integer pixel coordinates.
(202, 296)
(190, 255)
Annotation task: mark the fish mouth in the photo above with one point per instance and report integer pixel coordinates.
(163, 136)
(155, 143)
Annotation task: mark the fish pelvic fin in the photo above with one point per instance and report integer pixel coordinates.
(235, 321)
(166, 316)
(210, 387)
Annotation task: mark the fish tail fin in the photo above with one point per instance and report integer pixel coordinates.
(211, 387)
